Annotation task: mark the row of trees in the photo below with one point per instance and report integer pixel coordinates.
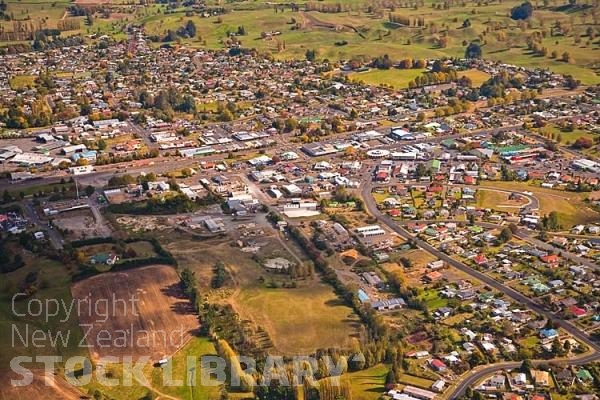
(433, 78)
(326, 8)
(401, 19)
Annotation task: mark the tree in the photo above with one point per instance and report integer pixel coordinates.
(550, 221)
(6, 196)
(524, 11)
(583, 143)
(291, 124)
(421, 116)
(190, 28)
(505, 235)
(89, 190)
(101, 144)
(390, 379)
(473, 50)
(571, 82)
(566, 57)
(421, 170)
(526, 365)
(557, 348)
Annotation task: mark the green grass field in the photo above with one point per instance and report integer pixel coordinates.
(570, 206)
(134, 391)
(195, 348)
(368, 384)
(477, 77)
(416, 381)
(21, 82)
(299, 320)
(54, 283)
(567, 138)
(396, 78)
(433, 300)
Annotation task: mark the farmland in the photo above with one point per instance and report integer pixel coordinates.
(365, 32)
(61, 390)
(160, 323)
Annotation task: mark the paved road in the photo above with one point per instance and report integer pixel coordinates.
(480, 373)
(516, 296)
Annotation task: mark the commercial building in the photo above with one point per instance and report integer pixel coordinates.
(369, 231)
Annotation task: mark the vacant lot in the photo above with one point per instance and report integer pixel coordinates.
(159, 323)
(419, 258)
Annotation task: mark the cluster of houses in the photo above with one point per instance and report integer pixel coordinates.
(535, 384)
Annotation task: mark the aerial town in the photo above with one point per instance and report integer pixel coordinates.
(423, 224)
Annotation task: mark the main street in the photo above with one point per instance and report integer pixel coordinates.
(516, 296)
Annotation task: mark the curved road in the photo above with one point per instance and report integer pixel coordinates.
(516, 296)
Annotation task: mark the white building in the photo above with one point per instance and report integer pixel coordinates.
(369, 231)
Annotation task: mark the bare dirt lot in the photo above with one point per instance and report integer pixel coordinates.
(61, 390)
(156, 323)
(81, 223)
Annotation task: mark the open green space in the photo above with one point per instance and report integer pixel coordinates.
(397, 78)
(368, 384)
(22, 82)
(195, 348)
(299, 320)
(433, 300)
(416, 381)
(570, 206)
(52, 283)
